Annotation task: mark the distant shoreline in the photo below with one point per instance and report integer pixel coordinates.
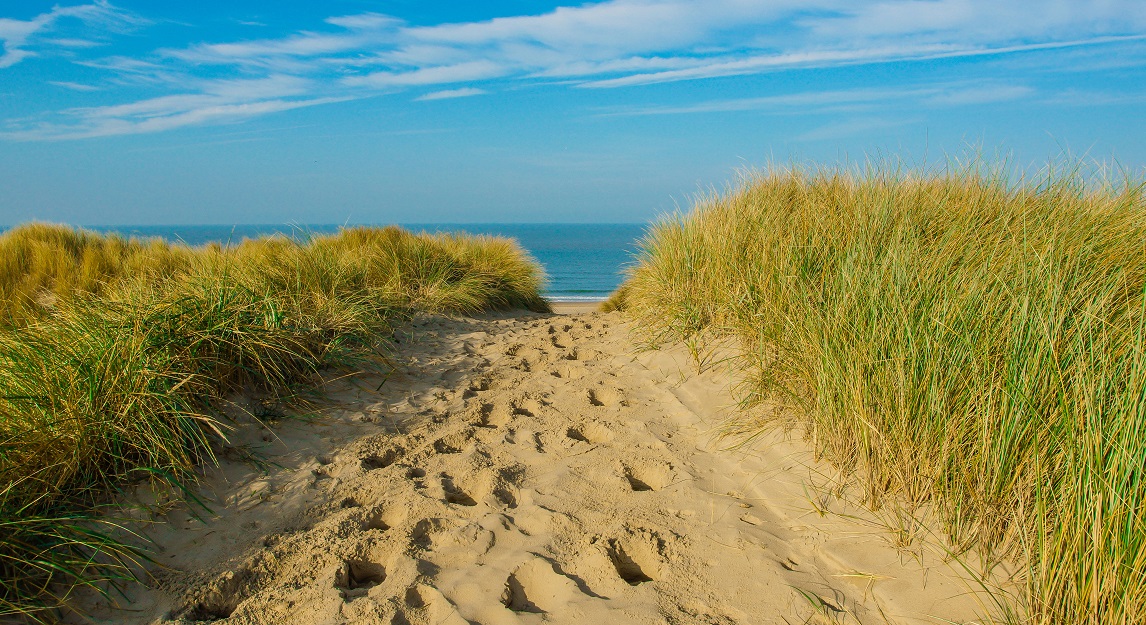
(576, 299)
(575, 308)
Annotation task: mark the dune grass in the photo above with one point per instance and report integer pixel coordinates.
(954, 341)
(115, 356)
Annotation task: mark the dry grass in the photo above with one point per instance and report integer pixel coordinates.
(953, 341)
(115, 354)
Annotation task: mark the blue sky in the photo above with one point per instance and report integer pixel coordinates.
(133, 112)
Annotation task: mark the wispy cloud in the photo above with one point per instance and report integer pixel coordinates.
(74, 86)
(21, 37)
(447, 94)
(611, 44)
(441, 74)
(834, 58)
(97, 124)
(934, 95)
(215, 102)
(721, 67)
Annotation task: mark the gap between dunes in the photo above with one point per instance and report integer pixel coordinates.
(523, 469)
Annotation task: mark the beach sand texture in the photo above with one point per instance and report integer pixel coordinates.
(525, 469)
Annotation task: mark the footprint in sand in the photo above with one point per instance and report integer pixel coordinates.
(593, 432)
(479, 385)
(452, 444)
(582, 354)
(382, 519)
(415, 522)
(527, 407)
(638, 555)
(648, 476)
(221, 597)
(536, 586)
(454, 493)
(568, 370)
(605, 396)
(381, 459)
(495, 415)
(427, 532)
(358, 576)
(431, 604)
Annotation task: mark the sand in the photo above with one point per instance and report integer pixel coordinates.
(527, 469)
(571, 308)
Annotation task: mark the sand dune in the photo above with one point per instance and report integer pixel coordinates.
(528, 469)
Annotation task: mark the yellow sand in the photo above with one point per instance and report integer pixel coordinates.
(529, 469)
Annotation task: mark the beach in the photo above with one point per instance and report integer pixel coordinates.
(573, 308)
(525, 468)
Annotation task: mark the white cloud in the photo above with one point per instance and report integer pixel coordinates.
(933, 95)
(214, 102)
(794, 101)
(982, 21)
(365, 21)
(607, 29)
(101, 126)
(12, 55)
(830, 58)
(464, 92)
(472, 70)
(74, 86)
(617, 66)
(773, 62)
(269, 53)
(17, 35)
(212, 93)
(610, 44)
(98, 125)
(72, 43)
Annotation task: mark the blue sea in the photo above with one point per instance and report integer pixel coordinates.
(584, 262)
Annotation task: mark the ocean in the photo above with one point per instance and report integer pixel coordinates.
(584, 262)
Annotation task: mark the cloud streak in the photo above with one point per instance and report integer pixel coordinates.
(837, 58)
(218, 101)
(447, 94)
(19, 36)
(605, 45)
(934, 95)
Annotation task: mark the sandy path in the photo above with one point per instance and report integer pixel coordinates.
(524, 470)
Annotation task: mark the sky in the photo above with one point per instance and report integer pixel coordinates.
(405, 111)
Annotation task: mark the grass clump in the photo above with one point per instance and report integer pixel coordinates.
(617, 301)
(954, 340)
(116, 356)
(40, 263)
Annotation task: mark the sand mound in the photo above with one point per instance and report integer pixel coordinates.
(531, 469)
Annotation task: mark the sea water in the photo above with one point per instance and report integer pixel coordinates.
(584, 262)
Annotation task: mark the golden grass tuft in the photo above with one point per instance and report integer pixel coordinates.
(953, 340)
(115, 355)
(617, 300)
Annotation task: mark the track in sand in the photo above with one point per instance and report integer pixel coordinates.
(529, 469)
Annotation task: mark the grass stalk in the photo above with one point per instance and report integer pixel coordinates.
(953, 339)
(116, 356)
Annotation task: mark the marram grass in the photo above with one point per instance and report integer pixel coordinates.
(115, 355)
(952, 341)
